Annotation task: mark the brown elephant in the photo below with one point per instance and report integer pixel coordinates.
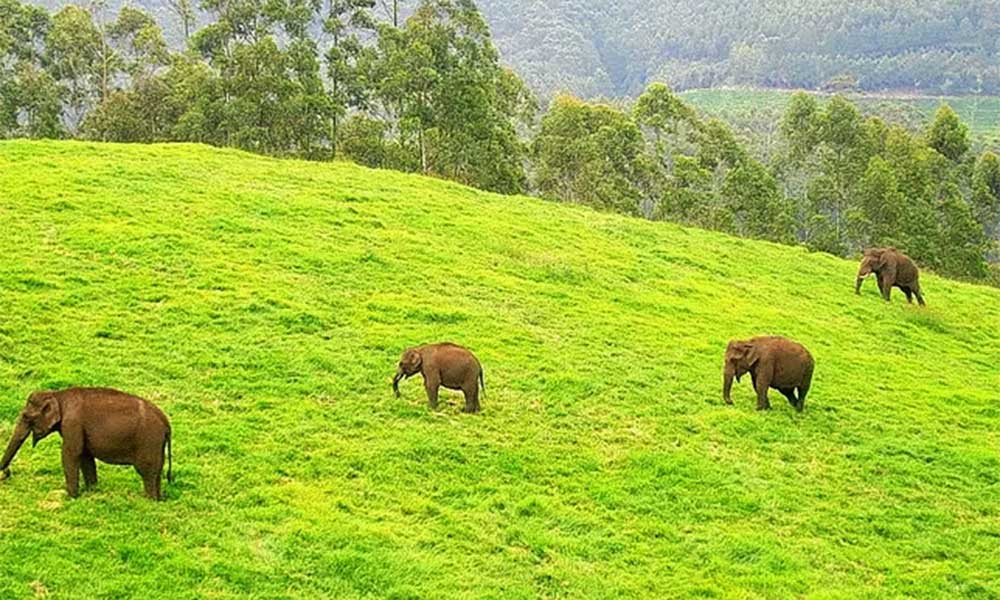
(446, 364)
(773, 362)
(891, 268)
(97, 423)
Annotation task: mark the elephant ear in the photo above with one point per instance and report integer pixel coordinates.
(751, 356)
(874, 260)
(50, 413)
(414, 359)
(881, 259)
(740, 354)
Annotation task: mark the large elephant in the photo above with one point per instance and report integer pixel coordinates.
(97, 423)
(445, 364)
(892, 268)
(773, 362)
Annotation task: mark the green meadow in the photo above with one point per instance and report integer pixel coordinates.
(263, 305)
(760, 110)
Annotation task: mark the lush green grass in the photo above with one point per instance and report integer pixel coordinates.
(759, 110)
(263, 304)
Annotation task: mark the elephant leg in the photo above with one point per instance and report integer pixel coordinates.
(89, 468)
(71, 468)
(150, 472)
(885, 287)
(790, 394)
(908, 293)
(471, 398)
(920, 297)
(803, 390)
(431, 384)
(760, 386)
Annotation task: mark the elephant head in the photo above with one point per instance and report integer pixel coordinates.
(740, 358)
(409, 365)
(40, 417)
(875, 260)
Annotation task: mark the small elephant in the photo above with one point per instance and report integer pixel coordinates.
(773, 362)
(97, 423)
(892, 268)
(448, 365)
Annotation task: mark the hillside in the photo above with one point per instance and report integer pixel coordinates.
(615, 48)
(263, 304)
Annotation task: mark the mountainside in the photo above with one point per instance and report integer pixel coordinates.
(263, 305)
(617, 47)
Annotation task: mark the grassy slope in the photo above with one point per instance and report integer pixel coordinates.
(263, 303)
(742, 105)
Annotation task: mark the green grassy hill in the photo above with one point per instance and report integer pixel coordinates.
(263, 304)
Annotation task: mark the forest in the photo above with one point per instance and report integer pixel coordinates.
(428, 93)
(617, 47)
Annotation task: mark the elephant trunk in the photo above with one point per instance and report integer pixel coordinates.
(857, 283)
(727, 385)
(17, 438)
(395, 381)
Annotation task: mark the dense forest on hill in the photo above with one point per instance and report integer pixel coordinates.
(616, 47)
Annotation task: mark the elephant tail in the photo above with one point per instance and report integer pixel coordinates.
(482, 382)
(170, 458)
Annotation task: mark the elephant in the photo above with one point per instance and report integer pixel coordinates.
(892, 268)
(445, 364)
(773, 362)
(97, 423)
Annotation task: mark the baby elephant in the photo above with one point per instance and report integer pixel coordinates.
(773, 362)
(446, 365)
(113, 426)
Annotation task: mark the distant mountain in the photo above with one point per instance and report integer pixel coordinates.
(616, 47)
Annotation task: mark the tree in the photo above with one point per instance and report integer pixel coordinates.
(441, 81)
(590, 154)
(30, 100)
(985, 199)
(963, 243)
(800, 126)
(661, 111)
(948, 134)
(751, 194)
(138, 42)
(270, 95)
(346, 62)
(76, 56)
(185, 10)
(880, 205)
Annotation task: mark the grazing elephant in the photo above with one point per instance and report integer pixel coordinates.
(892, 268)
(773, 362)
(97, 423)
(448, 365)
